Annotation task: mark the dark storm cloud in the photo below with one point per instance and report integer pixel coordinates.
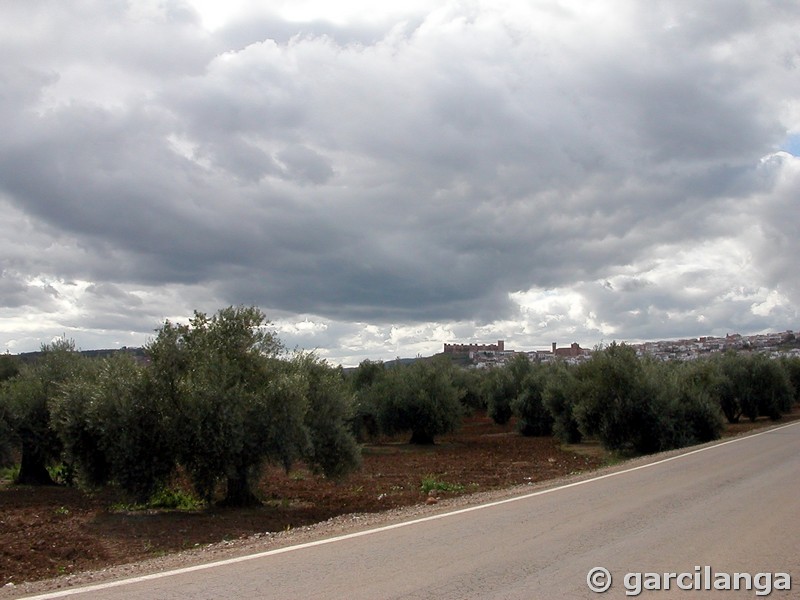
(414, 172)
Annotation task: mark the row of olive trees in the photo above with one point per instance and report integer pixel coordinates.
(632, 404)
(422, 398)
(638, 404)
(219, 398)
(629, 403)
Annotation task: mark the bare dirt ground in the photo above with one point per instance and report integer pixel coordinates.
(47, 532)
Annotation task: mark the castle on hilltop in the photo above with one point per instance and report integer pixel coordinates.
(467, 348)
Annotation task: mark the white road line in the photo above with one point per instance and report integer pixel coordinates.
(348, 536)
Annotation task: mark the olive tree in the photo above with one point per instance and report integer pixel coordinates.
(7, 437)
(420, 398)
(561, 393)
(620, 402)
(533, 417)
(697, 415)
(27, 399)
(216, 379)
(792, 367)
(503, 385)
(498, 390)
(234, 402)
(331, 448)
(9, 368)
(752, 385)
(773, 387)
(470, 381)
(114, 429)
(732, 389)
(363, 382)
(640, 405)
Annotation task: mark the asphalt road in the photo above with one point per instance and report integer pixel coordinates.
(732, 507)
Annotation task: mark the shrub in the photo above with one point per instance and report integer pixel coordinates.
(700, 417)
(9, 368)
(431, 483)
(173, 500)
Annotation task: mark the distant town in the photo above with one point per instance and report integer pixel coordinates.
(785, 343)
(475, 355)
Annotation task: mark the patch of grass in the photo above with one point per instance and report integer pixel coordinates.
(63, 474)
(168, 499)
(429, 483)
(9, 474)
(175, 499)
(613, 459)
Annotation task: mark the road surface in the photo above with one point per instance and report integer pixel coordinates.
(727, 508)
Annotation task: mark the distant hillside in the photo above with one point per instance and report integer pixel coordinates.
(456, 359)
(137, 353)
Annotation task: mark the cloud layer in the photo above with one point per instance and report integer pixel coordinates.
(522, 171)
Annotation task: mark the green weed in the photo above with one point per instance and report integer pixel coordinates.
(168, 499)
(9, 474)
(429, 482)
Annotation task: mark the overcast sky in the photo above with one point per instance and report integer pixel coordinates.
(383, 180)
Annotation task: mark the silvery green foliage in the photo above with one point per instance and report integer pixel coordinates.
(533, 417)
(28, 399)
(332, 449)
(234, 402)
(114, 427)
(638, 405)
(420, 398)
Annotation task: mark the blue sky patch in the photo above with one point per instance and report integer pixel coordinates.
(792, 145)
